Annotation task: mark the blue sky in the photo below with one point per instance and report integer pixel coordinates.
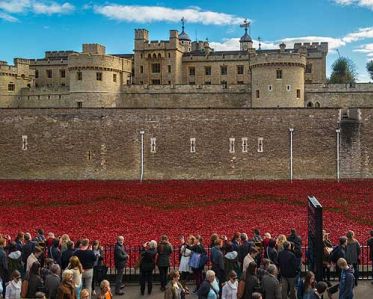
(31, 27)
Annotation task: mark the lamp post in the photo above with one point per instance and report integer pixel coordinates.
(142, 155)
(291, 130)
(338, 131)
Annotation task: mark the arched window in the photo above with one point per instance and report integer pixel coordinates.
(309, 105)
(317, 105)
(159, 55)
(149, 56)
(154, 56)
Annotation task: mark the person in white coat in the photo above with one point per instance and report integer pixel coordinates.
(230, 287)
(13, 289)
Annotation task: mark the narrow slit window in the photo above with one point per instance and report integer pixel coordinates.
(192, 145)
(24, 143)
(231, 145)
(260, 145)
(244, 144)
(153, 145)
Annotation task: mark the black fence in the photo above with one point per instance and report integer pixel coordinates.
(131, 272)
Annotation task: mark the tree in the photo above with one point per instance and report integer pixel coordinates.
(344, 71)
(370, 68)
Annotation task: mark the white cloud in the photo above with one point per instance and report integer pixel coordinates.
(52, 8)
(362, 3)
(34, 6)
(147, 14)
(7, 17)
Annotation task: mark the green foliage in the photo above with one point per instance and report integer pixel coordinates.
(344, 71)
(370, 68)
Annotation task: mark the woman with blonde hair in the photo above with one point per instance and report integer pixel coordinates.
(77, 269)
(353, 253)
(281, 239)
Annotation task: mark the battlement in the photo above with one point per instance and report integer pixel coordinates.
(21, 61)
(87, 60)
(278, 59)
(95, 49)
(321, 46)
(2, 62)
(58, 54)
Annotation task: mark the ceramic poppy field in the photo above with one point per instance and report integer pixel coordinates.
(143, 211)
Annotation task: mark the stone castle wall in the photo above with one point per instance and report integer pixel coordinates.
(339, 95)
(106, 144)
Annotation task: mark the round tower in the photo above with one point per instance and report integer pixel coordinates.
(278, 79)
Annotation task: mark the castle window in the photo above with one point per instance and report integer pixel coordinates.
(63, 84)
(59, 97)
(156, 68)
(257, 93)
(24, 142)
(309, 105)
(49, 74)
(269, 87)
(231, 145)
(36, 74)
(208, 70)
(79, 76)
(192, 71)
(278, 74)
(288, 87)
(169, 82)
(308, 68)
(260, 145)
(169, 68)
(207, 82)
(11, 86)
(240, 82)
(244, 144)
(317, 105)
(29, 85)
(156, 82)
(114, 77)
(240, 69)
(99, 76)
(154, 56)
(159, 56)
(192, 83)
(192, 145)
(141, 69)
(223, 70)
(149, 56)
(79, 104)
(141, 55)
(62, 73)
(298, 93)
(153, 145)
(169, 55)
(224, 84)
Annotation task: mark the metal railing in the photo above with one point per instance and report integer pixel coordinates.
(131, 272)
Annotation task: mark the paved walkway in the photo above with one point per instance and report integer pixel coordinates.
(132, 291)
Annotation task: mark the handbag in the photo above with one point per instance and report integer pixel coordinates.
(194, 261)
(203, 260)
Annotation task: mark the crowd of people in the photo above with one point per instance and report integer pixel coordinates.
(47, 266)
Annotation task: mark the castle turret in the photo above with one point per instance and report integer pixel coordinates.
(246, 42)
(184, 37)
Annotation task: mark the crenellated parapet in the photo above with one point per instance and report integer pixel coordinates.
(278, 59)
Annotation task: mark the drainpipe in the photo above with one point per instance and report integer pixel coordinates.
(142, 156)
(338, 131)
(291, 130)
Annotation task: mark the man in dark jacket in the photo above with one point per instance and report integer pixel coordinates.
(120, 260)
(217, 261)
(288, 270)
(67, 254)
(296, 242)
(339, 252)
(370, 245)
(164, 252)
(27, 248)
(244, 248)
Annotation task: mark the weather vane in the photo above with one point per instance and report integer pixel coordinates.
(245, 24)
(259, 40)
(182, 23)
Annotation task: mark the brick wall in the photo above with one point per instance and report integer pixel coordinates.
(105, 144)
